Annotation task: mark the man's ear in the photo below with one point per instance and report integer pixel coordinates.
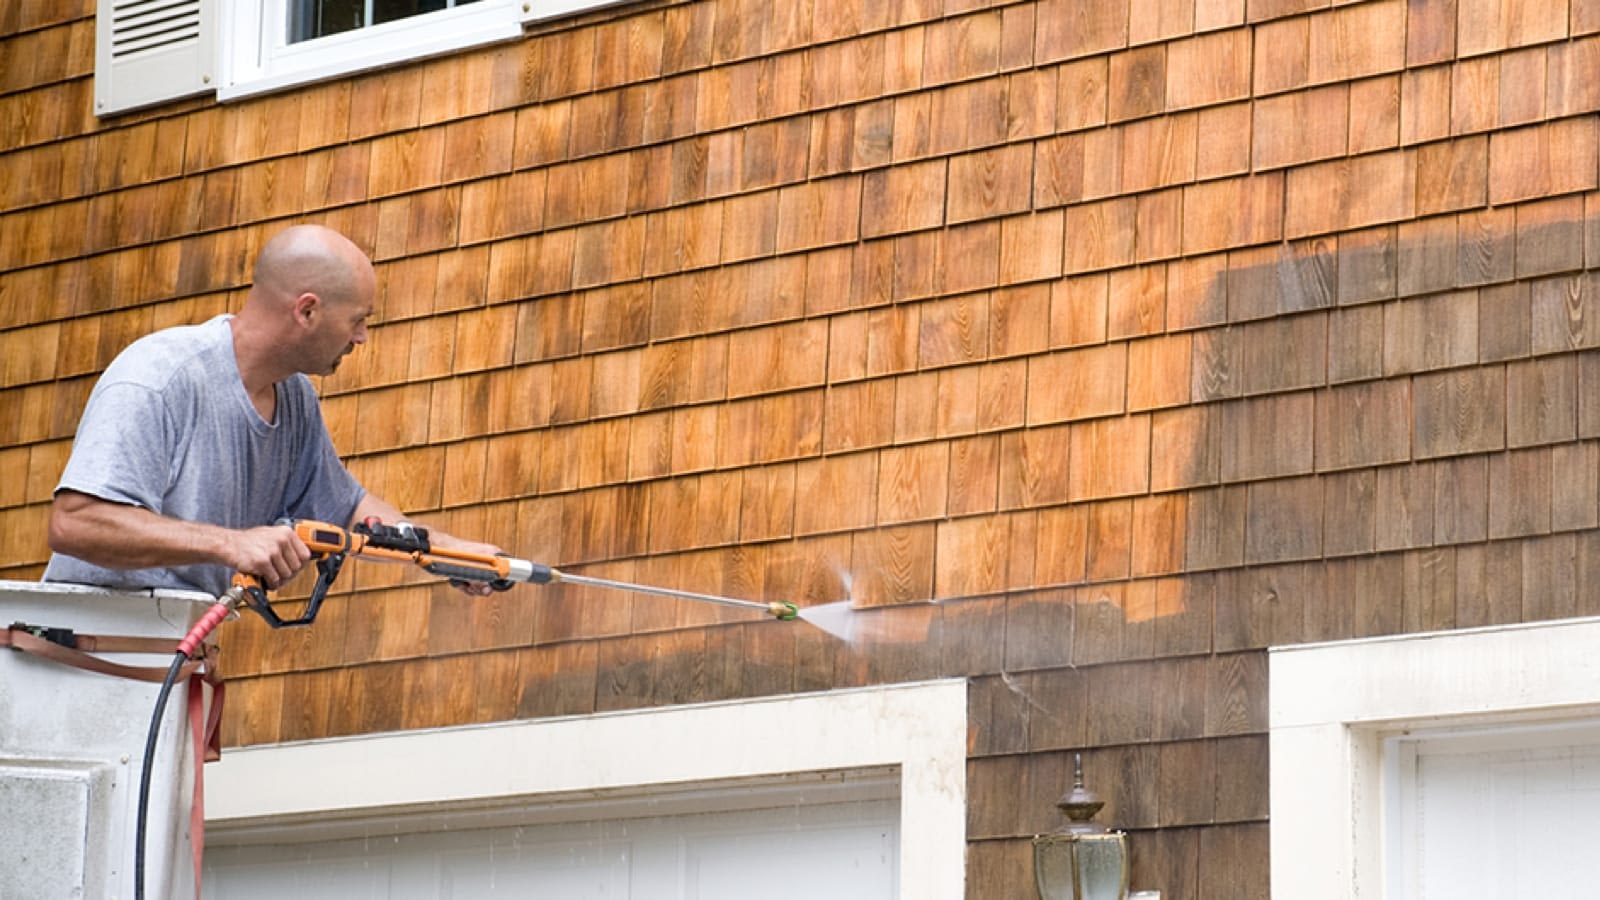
(306, 307)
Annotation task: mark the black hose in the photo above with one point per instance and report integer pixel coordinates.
(150, 741)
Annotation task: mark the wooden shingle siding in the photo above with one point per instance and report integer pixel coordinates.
(1142, 335)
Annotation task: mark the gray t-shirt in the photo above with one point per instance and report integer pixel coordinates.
(169, 427)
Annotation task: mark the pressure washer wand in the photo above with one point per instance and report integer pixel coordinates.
(372, 539)
(778, 609)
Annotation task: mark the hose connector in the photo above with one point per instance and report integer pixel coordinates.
(783, 610)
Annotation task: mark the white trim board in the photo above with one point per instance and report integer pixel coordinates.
(1332, 707)
(918, 729)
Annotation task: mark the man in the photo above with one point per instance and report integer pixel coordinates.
(197, 439)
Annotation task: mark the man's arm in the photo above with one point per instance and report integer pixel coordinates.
(122, 536)
(372, 505)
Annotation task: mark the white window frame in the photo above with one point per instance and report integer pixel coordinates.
(256, 56)
(1335, 708)
(559, 766)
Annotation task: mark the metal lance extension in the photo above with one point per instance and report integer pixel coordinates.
(778, 609)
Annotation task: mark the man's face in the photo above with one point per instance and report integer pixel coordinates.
(339, 321)
(339, 328)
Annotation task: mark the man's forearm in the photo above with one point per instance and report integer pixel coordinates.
(121, 536)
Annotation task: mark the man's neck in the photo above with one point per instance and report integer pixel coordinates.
(256, 369)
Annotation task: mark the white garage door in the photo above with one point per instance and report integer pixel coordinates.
(1509, 814)
(798, 851)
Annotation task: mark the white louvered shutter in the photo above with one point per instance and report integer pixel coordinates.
(149, 51)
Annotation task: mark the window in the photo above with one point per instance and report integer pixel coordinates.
(872, 779)
(310, 19)
(151, 51)
(272, 44)
(1377, 744)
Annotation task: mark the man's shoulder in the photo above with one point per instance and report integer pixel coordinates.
(158, 357)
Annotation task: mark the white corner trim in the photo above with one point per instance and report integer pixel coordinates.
(1332, 705)
(918, 728)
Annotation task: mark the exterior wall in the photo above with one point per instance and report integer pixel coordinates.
(1141, 334)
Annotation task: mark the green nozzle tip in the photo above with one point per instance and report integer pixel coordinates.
(784, 610)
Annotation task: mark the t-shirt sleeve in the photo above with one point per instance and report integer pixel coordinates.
(124, 448)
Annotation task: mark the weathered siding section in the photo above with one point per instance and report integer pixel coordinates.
(1141, 334)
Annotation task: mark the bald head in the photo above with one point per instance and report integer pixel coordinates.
(308, 307)
(311, 259)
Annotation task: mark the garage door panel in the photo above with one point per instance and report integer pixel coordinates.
(843, 851)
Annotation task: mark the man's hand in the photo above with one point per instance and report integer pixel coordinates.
(273, 553)
(372, 505)
(442, 541)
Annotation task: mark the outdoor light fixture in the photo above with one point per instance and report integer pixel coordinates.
(1081, 860)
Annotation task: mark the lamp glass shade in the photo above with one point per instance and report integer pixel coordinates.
(1081, 866)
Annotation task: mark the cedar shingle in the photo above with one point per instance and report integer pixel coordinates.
(1350, 193)
(1357, 40)
(1208, 69)
(1137, 82)
(1549, 236)
(1452, 175)
(1541, 401)
(1460, 411)
(1284, 520)
(1487, 251)
(848, 482)
(1374, 114)
(1031, 97)
(1436, 332)
(1159, 372)
(1268, 436)
(1185, 447)
(990, 183)
(1558, 309)
(1575, 486)
(1232, 213)
(912, 482)
(1570, 90)
(970, 557)
(1157, 20)
(1425, 105)
(1355, 344)
(1159, 151)
(1034, 467)
(1504, 322)
(1588, 402)
(1281, 55)
(1349, 521)
(1405, 506)
(1158, 225)
(1082, 98)
(1363, 424)
(1159, 540)
(1302, 126)
(1216, 530)
(1068, 30)
(958, 49)
(1519, 493)
(1461, 500)
(1542, 160)
(1109, 457)
(974, 476)
(1077, 384)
